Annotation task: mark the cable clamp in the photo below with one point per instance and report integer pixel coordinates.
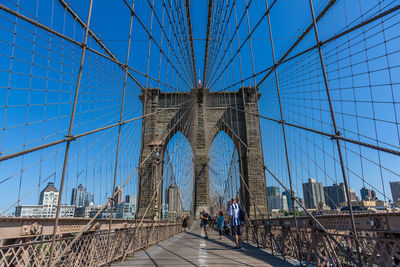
(337, 134)
(281, 122)
(70, 137)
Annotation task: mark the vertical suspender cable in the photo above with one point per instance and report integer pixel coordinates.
(112, 202)
(70, 135)
(284, 135)
(336, 132)
(187, 4)
(210, 8)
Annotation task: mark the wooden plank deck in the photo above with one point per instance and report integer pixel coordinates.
(191, 249)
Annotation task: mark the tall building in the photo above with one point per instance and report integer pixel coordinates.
(273, 191)
(289, 200)
(119, 198)
(47, 206)
(334, 195)
(395, 188)
(80, 197)
(373, 194)
(120, 211)
(173, 199)
(277, 203)
(130, 199)
(365, 194)
(275, 200)
(353, 196)
(313, 194)
(49, 195)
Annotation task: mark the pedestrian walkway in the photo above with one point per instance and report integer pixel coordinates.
(191, 249)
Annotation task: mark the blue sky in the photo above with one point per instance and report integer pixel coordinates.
(38, 75)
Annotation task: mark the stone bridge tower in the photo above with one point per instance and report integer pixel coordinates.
(200, 115)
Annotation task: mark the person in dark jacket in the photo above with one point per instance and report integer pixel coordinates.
(205, 219)
(185, 223)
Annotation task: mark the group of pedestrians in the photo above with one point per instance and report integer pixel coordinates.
(236, 220)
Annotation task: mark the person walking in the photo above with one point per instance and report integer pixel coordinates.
(236, 224)
(184, 223)
(205, 218)
(220, 224)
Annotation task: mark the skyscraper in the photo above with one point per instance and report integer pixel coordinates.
(289, 200)
(275, 200)
(130, 199)
(174, 199)
(273, 191)
(353, 196)
(119, 198)
(313, 194)
(277, 203)
(334, 195)
(373, 194)
(395, 188)
(80, 197)
(366, 194)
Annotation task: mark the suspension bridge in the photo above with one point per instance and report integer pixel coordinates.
(121, 118)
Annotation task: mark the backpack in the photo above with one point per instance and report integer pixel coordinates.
(242, 214)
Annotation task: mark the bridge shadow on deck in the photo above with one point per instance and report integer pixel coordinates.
(191, 249)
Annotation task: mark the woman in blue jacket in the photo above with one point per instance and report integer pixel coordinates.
(220, 223)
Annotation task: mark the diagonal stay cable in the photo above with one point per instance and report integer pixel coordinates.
(76, 94)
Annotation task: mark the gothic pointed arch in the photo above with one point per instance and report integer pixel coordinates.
(201, 115)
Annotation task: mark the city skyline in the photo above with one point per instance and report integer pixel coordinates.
(81, 205)
(333, 195)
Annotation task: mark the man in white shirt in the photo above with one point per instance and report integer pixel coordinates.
(236, 224)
